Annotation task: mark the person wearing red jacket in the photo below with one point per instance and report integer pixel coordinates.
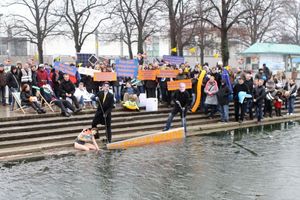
(42, 76)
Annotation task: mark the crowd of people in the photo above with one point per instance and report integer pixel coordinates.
(254, 94)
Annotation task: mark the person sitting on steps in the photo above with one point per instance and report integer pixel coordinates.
(27, 99)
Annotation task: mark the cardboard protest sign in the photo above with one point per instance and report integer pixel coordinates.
(65, 68)
(173, 60)
(105, 76)
(174, 85)
(127, 68)
(167, 73)
(86, 71)
(147, 75)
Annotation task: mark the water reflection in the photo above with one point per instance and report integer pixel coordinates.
(210, 167)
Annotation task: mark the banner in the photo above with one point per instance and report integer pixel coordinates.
(65, 68)
(127, 68)
(174, 85)
(173, 60)
(86, 71)
(147, 75)
(167, 73)
(105, 76)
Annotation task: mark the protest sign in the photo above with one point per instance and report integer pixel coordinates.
(174, 85)
(173, 60)
(146, 75)
(86, 71)
(127, 68)
(167, 73)
(65, 68)
(105, 76)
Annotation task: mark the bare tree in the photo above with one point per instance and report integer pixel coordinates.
(290, 23)
(225, 14)
(173, 8)
(182, 23)
(79, 17)
(260, 20)
(144, 14)
(204, 37)
(128, 24)
(36, 26)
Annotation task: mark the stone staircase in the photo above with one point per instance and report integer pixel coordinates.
(32, 134)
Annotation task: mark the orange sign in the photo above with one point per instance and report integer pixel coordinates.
(147, 75)
(174, 85)
(105, 76)
(167, 73)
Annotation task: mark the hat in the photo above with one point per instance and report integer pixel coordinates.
(41, 65)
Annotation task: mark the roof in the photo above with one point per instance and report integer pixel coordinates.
(272, 48)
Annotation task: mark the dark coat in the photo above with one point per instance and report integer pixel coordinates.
(259, 94)
(13, 80)
(3, 77)
(107, 106)
(25, 97)
(66, 87)
(150, 84)
(183, 98)
(239, 88)
(223, 95)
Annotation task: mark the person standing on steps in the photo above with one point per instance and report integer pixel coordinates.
(182, 102)
(103, 113)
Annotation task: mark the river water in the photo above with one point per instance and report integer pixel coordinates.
(261, 163)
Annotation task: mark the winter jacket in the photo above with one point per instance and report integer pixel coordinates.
(13, 80)
(223, 95)
(211, 90)
(26, 76)
(239, 88)
(66, 87)
(259, 94)
(3, 78)
(183, 98)
(25, 95)
(42, 78)
(249, 84)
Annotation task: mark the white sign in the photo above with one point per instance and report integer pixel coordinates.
(86, 71)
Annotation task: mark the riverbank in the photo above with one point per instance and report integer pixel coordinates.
(32, 137)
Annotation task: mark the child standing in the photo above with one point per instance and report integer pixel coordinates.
(258, 98)
(278, 103)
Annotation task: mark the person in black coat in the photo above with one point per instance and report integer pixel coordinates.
(27, 99)
(223, 100)
(103, 113)
(182, 103)
(67, 89)
(239, 108)
(249, 106)
(258, 98)
(13, 83)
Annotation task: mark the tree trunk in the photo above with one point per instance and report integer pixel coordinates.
(179, 44)
(40, 52)
(224, 46)
(140, 41)
(77, 47)
(130, 51)
(172, 21)
(202, 55)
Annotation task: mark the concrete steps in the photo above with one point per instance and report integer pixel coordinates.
(33, 134)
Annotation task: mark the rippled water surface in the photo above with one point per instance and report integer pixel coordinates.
(264, 164)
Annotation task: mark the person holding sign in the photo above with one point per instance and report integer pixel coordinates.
(182, 102)
(103, 114)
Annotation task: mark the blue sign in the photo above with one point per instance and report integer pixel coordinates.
(173, 60)
(67, 69)
(127, 68)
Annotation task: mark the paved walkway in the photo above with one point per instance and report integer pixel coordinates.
(5, 112)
